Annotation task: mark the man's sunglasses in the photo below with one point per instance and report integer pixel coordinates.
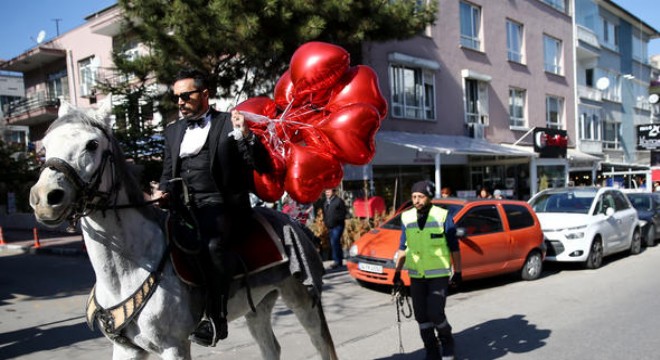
(185, 96)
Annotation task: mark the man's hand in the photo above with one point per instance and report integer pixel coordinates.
(456, 279)
(396, 280)
(238, 122)
(162, 197)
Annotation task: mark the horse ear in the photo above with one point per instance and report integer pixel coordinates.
(104, 110)
(64, 108)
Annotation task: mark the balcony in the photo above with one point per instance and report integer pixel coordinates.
(34, 59)
(589, 93)
(32, 111)
(587, 36)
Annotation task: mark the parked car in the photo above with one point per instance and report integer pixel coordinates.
(500, 236)
(584, 224)
(647, 205)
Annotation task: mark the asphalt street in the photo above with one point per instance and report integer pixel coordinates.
(570, 313)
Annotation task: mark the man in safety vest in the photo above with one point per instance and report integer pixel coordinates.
(429, 248)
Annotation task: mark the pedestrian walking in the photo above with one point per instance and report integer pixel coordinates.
(429, 249)
(334, 218)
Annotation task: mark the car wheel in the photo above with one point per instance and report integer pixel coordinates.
(595, 258)
(636, 243)
(650, 236)
(533, 266)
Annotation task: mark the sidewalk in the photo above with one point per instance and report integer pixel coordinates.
(49, 242)
(61, 243)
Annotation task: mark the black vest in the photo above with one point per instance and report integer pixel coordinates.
(196, 172)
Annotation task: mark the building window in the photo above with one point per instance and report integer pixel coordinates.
(554, 110)
(611, 131)
(413, 92)
(88, 74)
(552, 54)
(514, 41)
(470, 26)
(590, 124)
(58, 85)
(640, 49)
(517, 108)
(557, 4)
(476, 102)
(610, 35)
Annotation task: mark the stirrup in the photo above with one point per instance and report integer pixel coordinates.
(206, 333)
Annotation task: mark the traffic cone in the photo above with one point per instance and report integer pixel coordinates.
(36, 238)
(2, 237)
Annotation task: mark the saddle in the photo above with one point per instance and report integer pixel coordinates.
(261, 249)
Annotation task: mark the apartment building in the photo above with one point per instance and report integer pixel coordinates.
(467, 95)
(65, 68)
(12, 90)
(613, 74)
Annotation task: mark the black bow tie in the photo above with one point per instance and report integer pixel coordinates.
(192, 122)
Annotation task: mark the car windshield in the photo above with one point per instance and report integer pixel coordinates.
(640, 202)
(563, 202)
(395, 222)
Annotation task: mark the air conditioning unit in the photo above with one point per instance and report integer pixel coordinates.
(476, 130)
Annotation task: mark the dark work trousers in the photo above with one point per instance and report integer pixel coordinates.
(429, 297)
(216, 232)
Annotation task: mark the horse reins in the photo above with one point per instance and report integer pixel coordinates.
(401, 299)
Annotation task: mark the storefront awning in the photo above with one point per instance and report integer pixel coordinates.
(573, 155)
(448, 144)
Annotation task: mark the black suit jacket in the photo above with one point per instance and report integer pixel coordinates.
(231, 164)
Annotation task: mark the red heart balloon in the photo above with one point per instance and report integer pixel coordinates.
(269, 187)
(358, 85)
(317, 65)
(310, 171)
(260, 105)
(351, 131)
(284, 90)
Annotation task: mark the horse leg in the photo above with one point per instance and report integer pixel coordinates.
(260, 326)
(310, 315)
(121, 352)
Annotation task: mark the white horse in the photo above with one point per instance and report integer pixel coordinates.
(138, 300)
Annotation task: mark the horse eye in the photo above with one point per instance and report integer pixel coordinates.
(92, 145)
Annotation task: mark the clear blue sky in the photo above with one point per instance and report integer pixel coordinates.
(22, 20)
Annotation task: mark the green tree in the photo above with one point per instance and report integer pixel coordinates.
(245, 45)
(20, 170)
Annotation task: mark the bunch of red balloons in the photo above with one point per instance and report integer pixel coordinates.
(324, 113)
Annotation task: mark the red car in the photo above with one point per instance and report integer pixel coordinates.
(500, 236)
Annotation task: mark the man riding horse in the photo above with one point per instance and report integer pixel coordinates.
(209, 158)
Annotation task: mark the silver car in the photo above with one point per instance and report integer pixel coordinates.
(585, 224)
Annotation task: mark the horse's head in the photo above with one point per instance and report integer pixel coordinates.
(78, 148)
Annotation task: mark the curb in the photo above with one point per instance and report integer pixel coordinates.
(43, 250)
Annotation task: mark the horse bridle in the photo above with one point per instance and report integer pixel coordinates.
(86, 191)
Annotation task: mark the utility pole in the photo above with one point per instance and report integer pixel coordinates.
(57, 26)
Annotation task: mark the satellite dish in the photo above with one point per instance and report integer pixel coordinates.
(654, 98)
(41, 37)
(602, 83)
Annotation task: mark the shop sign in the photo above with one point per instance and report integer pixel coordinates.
(550, 143)
(648, 137)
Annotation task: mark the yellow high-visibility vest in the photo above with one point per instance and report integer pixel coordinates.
(427, 253)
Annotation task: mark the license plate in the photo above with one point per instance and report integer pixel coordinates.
(370, 268)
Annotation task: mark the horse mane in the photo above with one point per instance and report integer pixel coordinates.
(122, 173)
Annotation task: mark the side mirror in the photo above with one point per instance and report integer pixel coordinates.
(460, 232)
(609, 211)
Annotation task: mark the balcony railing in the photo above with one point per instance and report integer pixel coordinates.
(586, 35)
(585, 92)
(30, 104)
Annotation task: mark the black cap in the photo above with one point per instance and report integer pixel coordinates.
(425, 187)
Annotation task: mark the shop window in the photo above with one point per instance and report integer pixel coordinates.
(550, 176)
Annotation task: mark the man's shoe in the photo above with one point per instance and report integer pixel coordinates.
(208, 332)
